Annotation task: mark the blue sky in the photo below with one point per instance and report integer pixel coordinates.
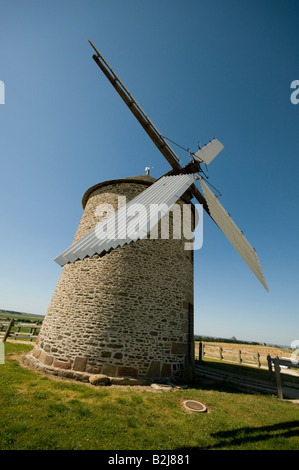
(200, 69)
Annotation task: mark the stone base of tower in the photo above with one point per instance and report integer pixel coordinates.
(106, 375)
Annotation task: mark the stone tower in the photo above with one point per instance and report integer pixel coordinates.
(128, 312)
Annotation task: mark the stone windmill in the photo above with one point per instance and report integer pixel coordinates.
(123, 305)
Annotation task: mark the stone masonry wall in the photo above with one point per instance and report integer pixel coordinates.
(125, 313)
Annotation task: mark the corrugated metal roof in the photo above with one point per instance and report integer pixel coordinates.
(154, 202)
(233, 233)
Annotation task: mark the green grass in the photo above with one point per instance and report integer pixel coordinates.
(39, 413)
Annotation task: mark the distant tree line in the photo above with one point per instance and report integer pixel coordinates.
(32, 318)
(13, 312)
(223, 340)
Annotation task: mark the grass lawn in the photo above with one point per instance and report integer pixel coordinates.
(40, 413)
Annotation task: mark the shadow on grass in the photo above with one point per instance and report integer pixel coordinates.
(241, 436)
(246, 371)
(250, 435)
(236, 369)
(246, 379)
(225, 384)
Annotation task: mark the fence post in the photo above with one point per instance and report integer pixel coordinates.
(239, 356)
(278, 378)
(258, 362)
(270, 367)
(220, 353)
(33, 331)
(200, 351)
(6, 335)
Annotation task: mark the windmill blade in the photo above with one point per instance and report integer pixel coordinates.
(144, 120)
(233, 233)
(209, 152)
(136, 109)
(206, 155)
(119, 228)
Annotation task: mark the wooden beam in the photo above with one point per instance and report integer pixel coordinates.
(278, 378)
(9, 327)
(145, 122)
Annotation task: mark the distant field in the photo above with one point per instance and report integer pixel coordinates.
(20, 316)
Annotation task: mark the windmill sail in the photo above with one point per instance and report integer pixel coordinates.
(144, 120)
(120, 228)
(204, 155)
(209, 152)
(136, 109)
(233, 233)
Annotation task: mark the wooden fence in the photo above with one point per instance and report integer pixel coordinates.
(238, 356)
(14, 330)
(274, 364)
(278, 363)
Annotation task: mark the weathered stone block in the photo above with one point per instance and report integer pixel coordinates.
(166, 370)
(67, 374)
(99, 379)
(118, 356)
(154, 369)
(179, 348)
(127, 371)
(109, 369)
(79, 363)
(93, 370)
(42, 356)
(36, 352)
(105, 354)
(62, 364)
(128, 381)
(48, 360)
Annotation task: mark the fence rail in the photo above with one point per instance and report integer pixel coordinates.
(240, 357)
(237, 356)
(11, 329)
(278, 363)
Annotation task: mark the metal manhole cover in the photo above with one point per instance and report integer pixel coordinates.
(196, 406)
